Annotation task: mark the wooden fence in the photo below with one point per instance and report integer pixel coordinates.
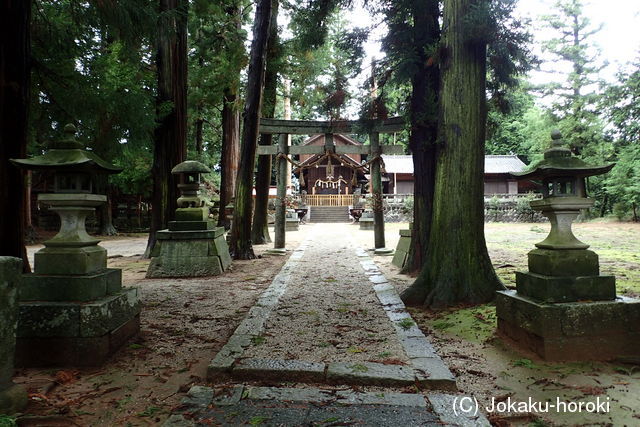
(330, 199)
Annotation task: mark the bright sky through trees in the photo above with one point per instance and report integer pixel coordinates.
(619, 38)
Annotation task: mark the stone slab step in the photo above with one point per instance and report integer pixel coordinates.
(243, 405)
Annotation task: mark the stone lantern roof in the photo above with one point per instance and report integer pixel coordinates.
(190, 166)
(68, 155)
(559, 161)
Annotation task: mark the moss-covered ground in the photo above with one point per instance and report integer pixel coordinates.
(489, 367)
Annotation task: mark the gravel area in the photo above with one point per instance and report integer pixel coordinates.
(329, 312)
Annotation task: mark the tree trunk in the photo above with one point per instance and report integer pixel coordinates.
(170, 136)
(424, 129)
(230, 156)
(15, 51)
(260, 226)
(241, 230)
(30, 234)
(458, 268)
(105, 213)
(199, 126)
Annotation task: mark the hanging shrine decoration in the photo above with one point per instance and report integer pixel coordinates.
(330, 184)
(328, 156)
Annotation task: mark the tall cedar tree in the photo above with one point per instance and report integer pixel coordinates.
(241, 246)
(170, 136)
(457, 267)
(575, 103)
(425, 83)
(260, 226)
(410, 44)
(15, 17)
(230, 156)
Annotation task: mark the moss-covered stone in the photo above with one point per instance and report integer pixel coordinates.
(89, 287)
(566, 289)
(567, 262)
(189, 254)
(192, 214)
(13, 398)
(194, 266)
(191, 225)
(66, 261)
(599, 330)
(402, 249)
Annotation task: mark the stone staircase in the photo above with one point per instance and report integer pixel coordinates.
(329, 214)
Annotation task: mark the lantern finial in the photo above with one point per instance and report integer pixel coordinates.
(69, 140)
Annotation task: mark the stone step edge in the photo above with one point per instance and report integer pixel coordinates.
(443, 405)
(431, 373)
(417, 347)
(202, 396)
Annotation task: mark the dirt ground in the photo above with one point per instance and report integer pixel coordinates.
(185, 322)
(183, 325)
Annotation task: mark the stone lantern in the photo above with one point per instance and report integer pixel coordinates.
(73, 310)
(192, 246)
(74, 169)
(563, 308)
(564, 192)
(191, 207)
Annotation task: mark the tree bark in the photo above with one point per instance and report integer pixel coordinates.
(199, 125)
(260, 226)
(15, 57)
(458, 268)
(424, 128)
(230, 156)
(170, 136)
(241, 231)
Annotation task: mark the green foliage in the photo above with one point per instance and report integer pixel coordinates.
(319, 72)
(575, 99)
(7, 421)
(623, 182)
(92, 66)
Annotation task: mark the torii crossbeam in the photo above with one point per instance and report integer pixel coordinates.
(372, 127)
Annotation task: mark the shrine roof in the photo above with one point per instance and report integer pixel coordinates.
(492, 164)
(336, 139)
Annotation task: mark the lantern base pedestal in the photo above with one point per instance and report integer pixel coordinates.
(71, 333)
(195, 253)
(70, 260)
(402, 249)
(601, 330)
(565, 289)
(366, 224)
(291, 224)
(88, 287)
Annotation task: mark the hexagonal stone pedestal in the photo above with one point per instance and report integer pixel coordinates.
(189, 253)
(599, 330)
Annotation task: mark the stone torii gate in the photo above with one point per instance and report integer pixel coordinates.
(296, 127)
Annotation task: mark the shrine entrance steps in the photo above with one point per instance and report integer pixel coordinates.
(329, 342)
(329, 214)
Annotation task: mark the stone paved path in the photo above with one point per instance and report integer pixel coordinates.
(326, 283)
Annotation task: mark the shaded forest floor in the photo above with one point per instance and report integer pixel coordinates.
(185, 322)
